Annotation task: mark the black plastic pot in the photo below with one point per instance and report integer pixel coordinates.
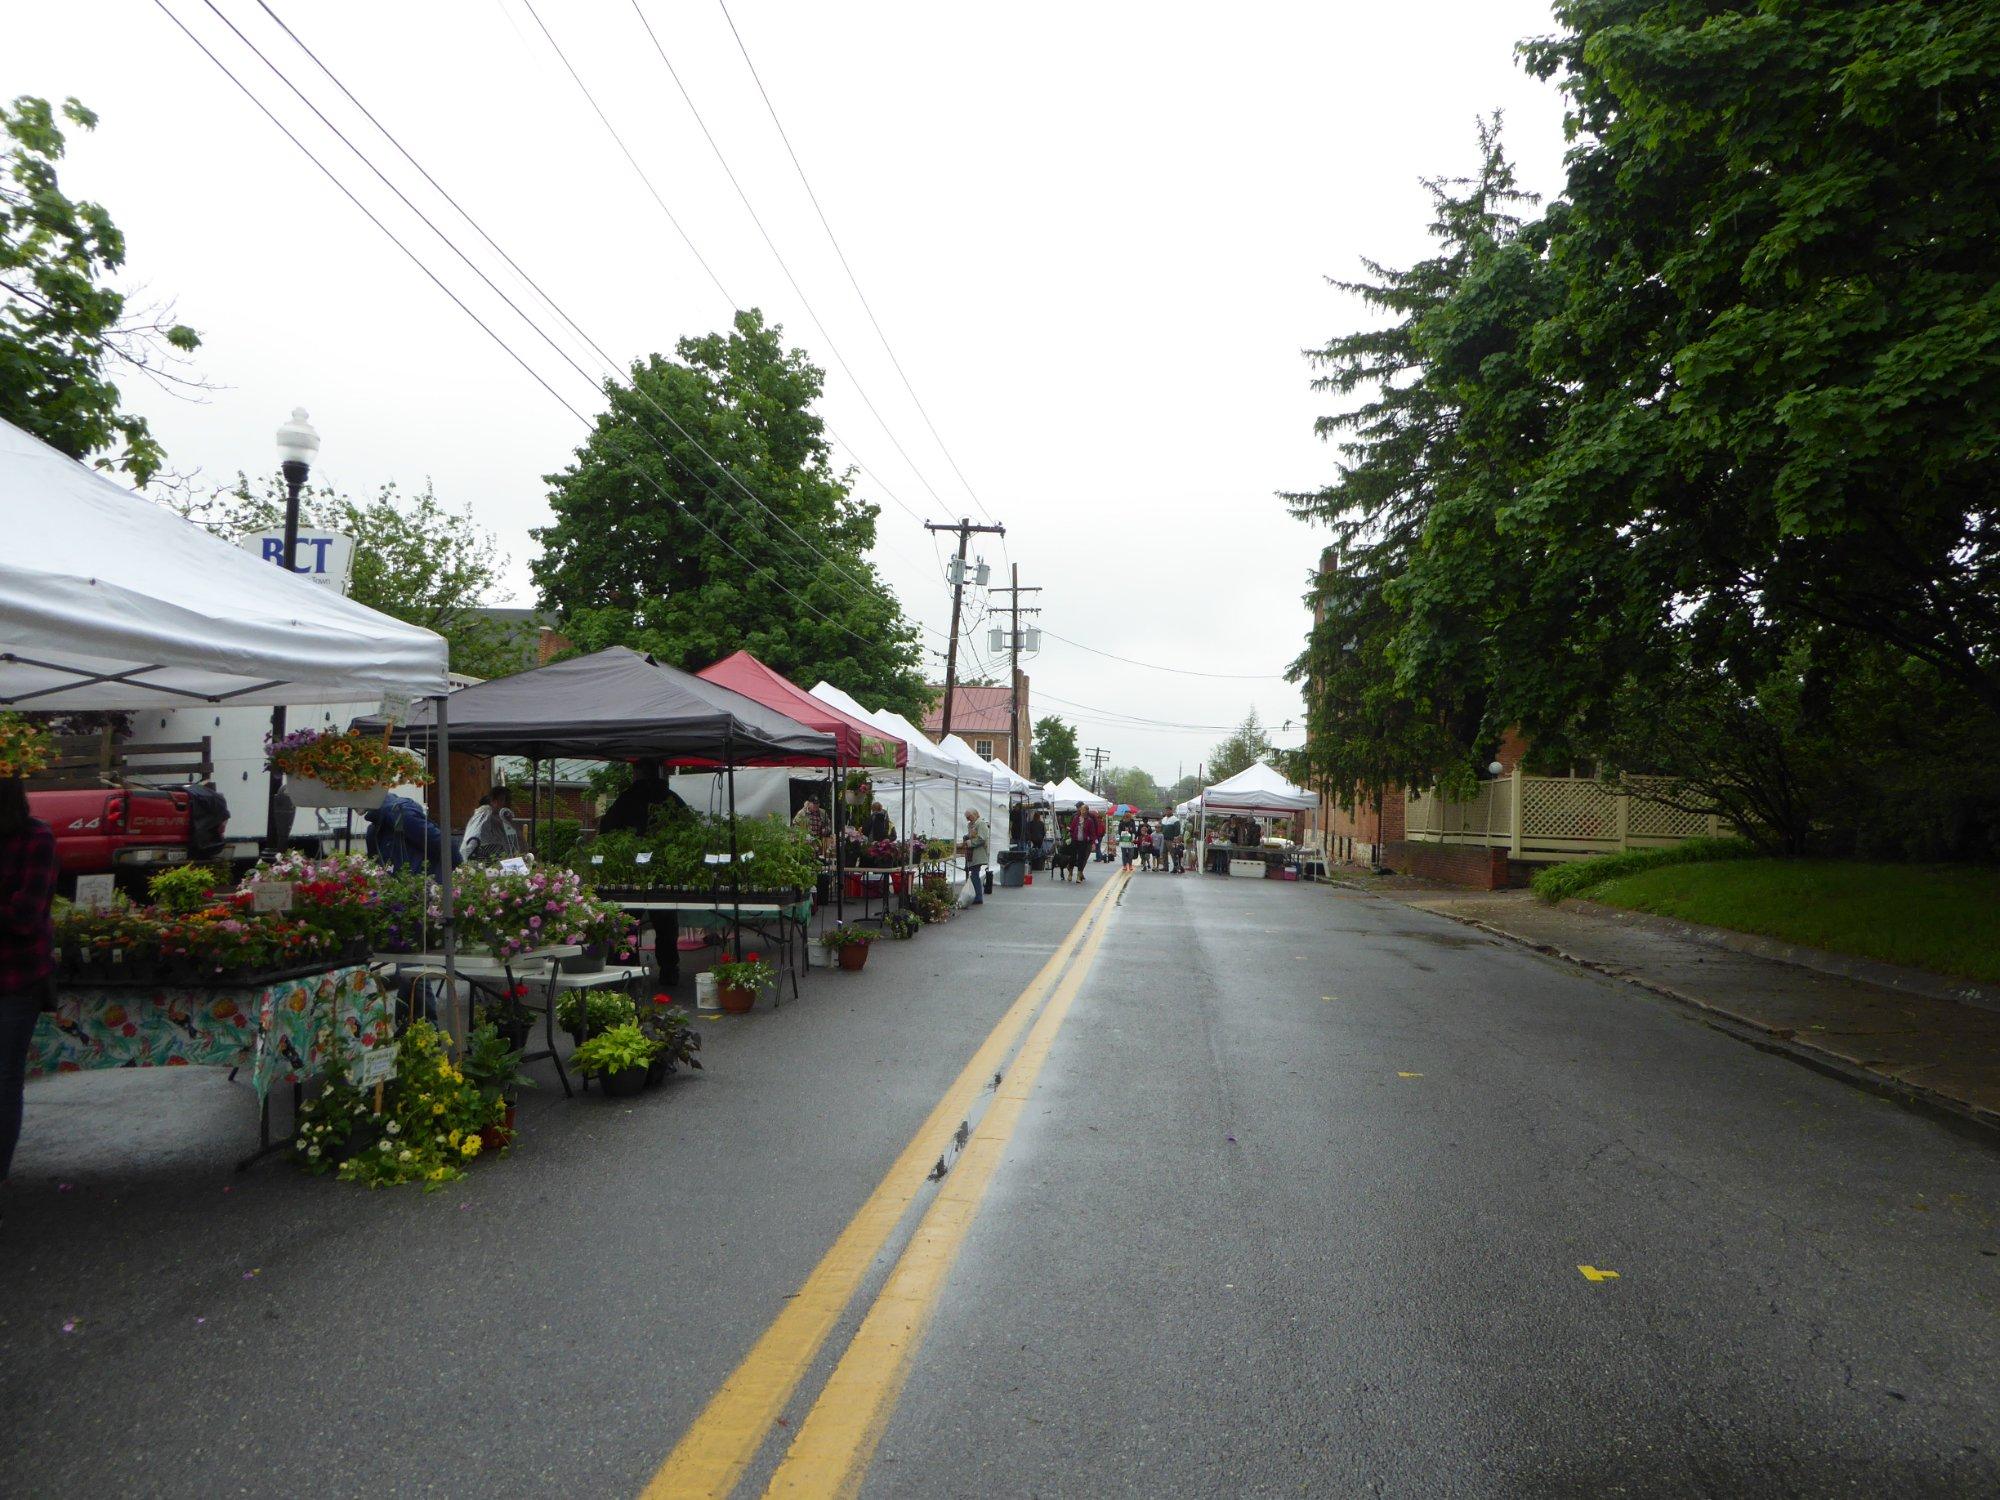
(623, 1083)
(587, 962)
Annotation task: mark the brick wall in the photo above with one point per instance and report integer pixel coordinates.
(1455, 864)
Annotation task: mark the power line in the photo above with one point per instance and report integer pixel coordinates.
(508, 348)
(832, 347)
(533, 374)
(852, 280)
(603, 355)
(1179, 671)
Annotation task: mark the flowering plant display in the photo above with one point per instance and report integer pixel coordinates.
(751, 972)
(345, 761)
(933, 903)
(25, 747)
(430, 1123)
(902, 924)
(185, 889)
(546, 907)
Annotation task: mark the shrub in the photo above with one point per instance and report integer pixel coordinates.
(186, 890)
(614, 1051)
(604, 1008)
(1560, 882)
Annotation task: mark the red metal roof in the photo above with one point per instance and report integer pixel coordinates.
(858, 744)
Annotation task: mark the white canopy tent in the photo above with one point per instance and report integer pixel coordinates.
(109, 601)
(1067, 796)
(1257, 791)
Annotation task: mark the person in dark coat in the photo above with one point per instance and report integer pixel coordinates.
(633, 809)
(402, 836)
(27, 949)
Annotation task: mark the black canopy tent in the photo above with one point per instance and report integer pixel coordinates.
(617, 704)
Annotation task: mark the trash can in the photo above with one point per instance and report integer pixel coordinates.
(1013, 866)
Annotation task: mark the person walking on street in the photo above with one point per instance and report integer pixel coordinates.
(1128, 844)
(975, 856)
(27, 949)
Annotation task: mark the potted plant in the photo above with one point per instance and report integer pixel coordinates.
(339, 768)
(492, 1065)
(902, 925)
(509, 1017)
(618, 1058)
(737, 982)
(668, 1027)
(593, 1011)
(851, 943)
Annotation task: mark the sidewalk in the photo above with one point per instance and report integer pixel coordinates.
(1921, 1046)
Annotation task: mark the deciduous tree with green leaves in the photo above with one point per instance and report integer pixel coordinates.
(65, 329)
(1056, 754)
(654, 548)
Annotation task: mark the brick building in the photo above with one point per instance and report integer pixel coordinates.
(984, 718)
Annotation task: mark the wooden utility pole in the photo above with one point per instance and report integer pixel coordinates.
(1014, 756)
(964, 527)
(1097, 759)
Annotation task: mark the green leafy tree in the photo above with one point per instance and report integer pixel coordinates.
(64, 328)
(1055, 754)
(1780, 337)
(415, 558)
(1395, 665)
(1247, 744)
(1183, 789)
(652, 548)
(1130, 784)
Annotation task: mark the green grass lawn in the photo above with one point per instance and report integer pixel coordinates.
(1945, 918)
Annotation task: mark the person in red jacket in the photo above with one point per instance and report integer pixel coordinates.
(27, 949)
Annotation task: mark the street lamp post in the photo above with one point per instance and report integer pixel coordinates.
(298, 444)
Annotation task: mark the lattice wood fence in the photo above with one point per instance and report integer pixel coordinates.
(1554, 817)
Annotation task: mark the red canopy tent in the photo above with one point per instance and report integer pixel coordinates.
(856, 743)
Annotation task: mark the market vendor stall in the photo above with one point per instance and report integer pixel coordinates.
(109, 601)
(619, 704)
(1247, 806)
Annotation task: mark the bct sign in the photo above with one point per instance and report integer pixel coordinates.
(324, 556)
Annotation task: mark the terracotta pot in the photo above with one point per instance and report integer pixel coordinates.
(498, 1137)
(736, 999)
(854, 956)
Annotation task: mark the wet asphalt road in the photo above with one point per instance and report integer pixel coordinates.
(1229, 1251)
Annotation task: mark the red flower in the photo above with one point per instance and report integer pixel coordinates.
(751, 958)
(663, 999)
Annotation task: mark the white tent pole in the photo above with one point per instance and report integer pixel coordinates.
(441, 751)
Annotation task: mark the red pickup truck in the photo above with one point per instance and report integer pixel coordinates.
(133, 831)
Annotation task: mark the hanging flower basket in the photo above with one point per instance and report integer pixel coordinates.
(306, 791)
(335, 768)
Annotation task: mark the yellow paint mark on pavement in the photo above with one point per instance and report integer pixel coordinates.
(1409, 1075)
(713, 1453)
(839, 1436)
(1591, 1273)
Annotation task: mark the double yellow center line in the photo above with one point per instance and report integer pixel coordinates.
(840, 1433)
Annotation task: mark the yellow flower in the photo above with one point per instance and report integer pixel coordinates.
(471, 1146)
(455, 1136)
(437, 1109)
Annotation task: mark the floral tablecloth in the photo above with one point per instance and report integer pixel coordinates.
(272, 1032)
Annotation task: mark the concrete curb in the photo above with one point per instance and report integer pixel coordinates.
(1778, 1039)
(1839, 965)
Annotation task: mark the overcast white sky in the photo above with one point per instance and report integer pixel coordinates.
(1096, 235)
